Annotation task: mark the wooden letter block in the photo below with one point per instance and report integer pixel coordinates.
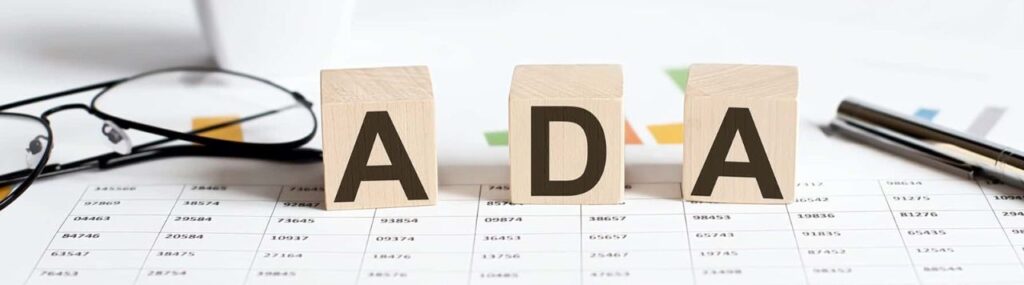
(740, 134)
(566, 134)
(379, 145)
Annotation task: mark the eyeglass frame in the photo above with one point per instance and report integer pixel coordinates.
(211, 147)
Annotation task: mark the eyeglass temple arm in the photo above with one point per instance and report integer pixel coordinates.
(299, 155)
(41, 98)
(114, 160)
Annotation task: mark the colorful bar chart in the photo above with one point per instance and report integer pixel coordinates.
(982, 124)
(663, 133)
(500, 138)
(670, 133)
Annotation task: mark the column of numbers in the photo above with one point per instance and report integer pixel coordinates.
(211, 236)
(845, 232)
(951, 233)
(107, 236)
(304, 244)
(640, 240)
(428, 244)
(525, 244)
(743, 243)
(1008, 205)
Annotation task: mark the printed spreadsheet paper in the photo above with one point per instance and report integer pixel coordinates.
(837, 231)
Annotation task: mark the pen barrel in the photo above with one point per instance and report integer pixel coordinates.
(926, 131)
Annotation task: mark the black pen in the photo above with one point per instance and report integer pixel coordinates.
(925, 142)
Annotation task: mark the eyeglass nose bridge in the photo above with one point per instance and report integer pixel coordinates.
(119, 140)
(46, 115)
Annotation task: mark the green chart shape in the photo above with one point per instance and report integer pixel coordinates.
(679, 76)
(496, 138)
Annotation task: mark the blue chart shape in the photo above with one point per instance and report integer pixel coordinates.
(926, 114)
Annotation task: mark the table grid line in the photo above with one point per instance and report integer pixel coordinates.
(262, 237)
(582, 262)
(917, 276)
(54, 236)
(476, 224)
(142, 266)
(1008, 240)
(686, 227)
(796, 242)
(366, 247)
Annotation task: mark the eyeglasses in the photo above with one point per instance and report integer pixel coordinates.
(188, 104)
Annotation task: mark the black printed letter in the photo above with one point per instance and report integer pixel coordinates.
(540, 157)
(376, 124)
(737, 120)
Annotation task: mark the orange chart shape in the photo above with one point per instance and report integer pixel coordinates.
(631, 137)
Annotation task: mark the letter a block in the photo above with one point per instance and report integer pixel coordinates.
(379, 145)
(566, 134)
(740, 134)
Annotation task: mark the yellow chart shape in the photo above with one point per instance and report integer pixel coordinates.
(4, 191)
(667, 133)
(230, 133)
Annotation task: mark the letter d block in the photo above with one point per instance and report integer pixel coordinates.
(378, 131)
(740, 133)
(566, 134)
